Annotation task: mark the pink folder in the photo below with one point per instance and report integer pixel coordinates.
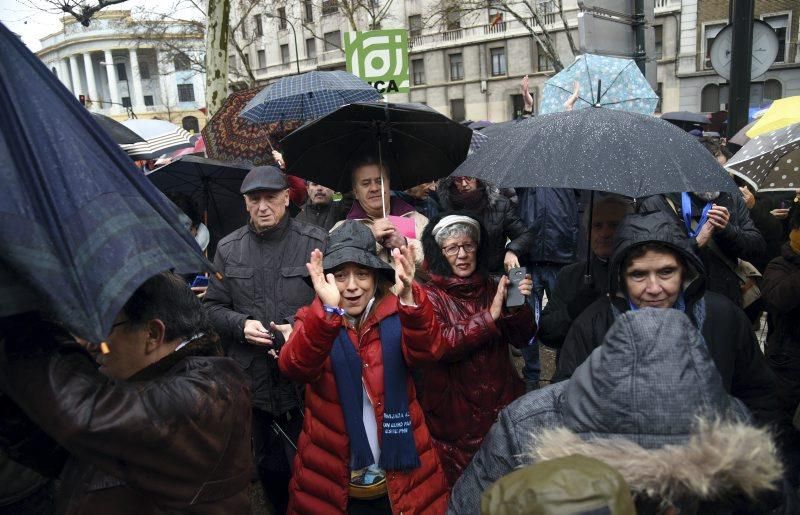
(405, 225)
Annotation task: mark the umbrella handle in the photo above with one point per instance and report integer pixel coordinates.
(587, 279)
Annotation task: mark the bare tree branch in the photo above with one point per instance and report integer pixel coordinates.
(81, 10)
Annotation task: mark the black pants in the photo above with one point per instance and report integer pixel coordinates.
(274, 455)
(378, 506)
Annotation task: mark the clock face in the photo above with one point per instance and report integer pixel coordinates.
(765, 49)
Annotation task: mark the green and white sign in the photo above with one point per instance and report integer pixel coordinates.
(380, 57)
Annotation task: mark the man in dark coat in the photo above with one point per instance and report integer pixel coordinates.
(497, 215)
(650, 403)
(320, 209)
(263, 270)
(162, 426)
(572, 294)
(653, 265)
(728, 234)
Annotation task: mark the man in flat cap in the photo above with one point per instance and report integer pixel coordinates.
(263, 269)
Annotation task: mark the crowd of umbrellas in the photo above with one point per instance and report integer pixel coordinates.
(81, 226)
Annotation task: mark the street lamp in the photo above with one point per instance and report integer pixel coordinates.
(296, 52)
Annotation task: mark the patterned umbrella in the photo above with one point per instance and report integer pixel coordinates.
(228, 137)
(622, 86)
(308, 96)
(770, 162)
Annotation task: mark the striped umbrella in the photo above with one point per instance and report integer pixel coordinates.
(160, 137)
(308, 96)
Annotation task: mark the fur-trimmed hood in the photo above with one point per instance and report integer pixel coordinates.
(720, 460)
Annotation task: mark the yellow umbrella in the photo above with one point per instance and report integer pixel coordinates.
(781, 113)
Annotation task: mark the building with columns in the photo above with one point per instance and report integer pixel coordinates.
(118, 74)
(470, 67)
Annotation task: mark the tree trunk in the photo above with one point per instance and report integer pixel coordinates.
(219, 12)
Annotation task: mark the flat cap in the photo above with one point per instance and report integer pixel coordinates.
(264, 178)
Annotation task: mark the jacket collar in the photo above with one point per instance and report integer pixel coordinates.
(205, 345)
(467, 287)
(273, 233)
(396, 208)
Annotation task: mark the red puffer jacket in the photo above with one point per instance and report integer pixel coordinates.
(473, 378)
(321, 468)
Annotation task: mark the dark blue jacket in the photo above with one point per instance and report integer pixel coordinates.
(551, 214)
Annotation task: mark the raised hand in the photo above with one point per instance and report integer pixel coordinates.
(496, 309)
(527, 98)
(404, 270)
(325, 286)
(719, 216)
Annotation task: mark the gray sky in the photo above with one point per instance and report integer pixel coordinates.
(31, 23)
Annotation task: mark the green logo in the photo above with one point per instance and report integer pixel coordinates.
(380, 57)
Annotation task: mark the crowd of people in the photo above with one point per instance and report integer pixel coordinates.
(368, 355)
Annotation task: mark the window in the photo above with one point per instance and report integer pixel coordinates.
(495, 15)
(285, 54)
(262, 59)
(544, 63)
(779, 24)
(231, 62)
(517, 106)
(498, 61)
(658, 50)
(709, 98)
(281, 18)
(148, 100)
(333, 40)
(185, 92)
(259, 26)
(457, 111)
(311, 48)
(122, 74)
(182, 62)
(329, 7)
(453, 19)
(772, 90)
(308, 11)
(144, 71)
(418, 71)
(456, 67)
(710, 32)
(415, 26)
(659, 92)
(126, 101)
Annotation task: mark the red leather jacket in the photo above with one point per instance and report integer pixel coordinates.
(473, 378)
(321, 467)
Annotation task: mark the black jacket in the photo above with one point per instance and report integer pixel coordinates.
(725, 327)
(323, 215)
(556, 318)
(498, 217)
(263, 279)
(740, 239)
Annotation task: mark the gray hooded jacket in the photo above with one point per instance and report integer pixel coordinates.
(646, 384)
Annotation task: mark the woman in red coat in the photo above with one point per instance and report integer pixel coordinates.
(473, 378)
(364, 447)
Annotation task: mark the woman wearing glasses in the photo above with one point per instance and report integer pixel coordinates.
(473, 377)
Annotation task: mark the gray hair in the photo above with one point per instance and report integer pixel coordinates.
(454, 231)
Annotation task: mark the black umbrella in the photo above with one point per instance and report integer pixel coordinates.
(418, 143)
(597, 149)
(118, 132)
(213, 185)
(80, 228)
(686, 117)
(496, 128)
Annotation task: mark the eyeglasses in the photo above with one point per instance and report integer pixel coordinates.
(463, 178)
(452, 250)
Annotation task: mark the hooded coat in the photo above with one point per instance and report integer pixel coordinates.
(173, 438)
(645, 388)
(724, 326)
(473, 376)
(499, 218)
(321, 475)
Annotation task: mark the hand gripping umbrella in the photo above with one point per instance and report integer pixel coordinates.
(418, 144)
(80, 228)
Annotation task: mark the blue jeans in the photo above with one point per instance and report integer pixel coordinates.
(544, 280)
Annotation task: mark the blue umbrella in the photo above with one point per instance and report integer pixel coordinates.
(80, 227)
(308, 96)
(622, 86)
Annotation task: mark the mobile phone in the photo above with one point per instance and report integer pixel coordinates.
(200, 281)
(514, 297)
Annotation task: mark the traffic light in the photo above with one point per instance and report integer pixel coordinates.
(82, 99)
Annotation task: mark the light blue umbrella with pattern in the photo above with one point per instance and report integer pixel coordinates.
(308, 96)
(621, 86)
